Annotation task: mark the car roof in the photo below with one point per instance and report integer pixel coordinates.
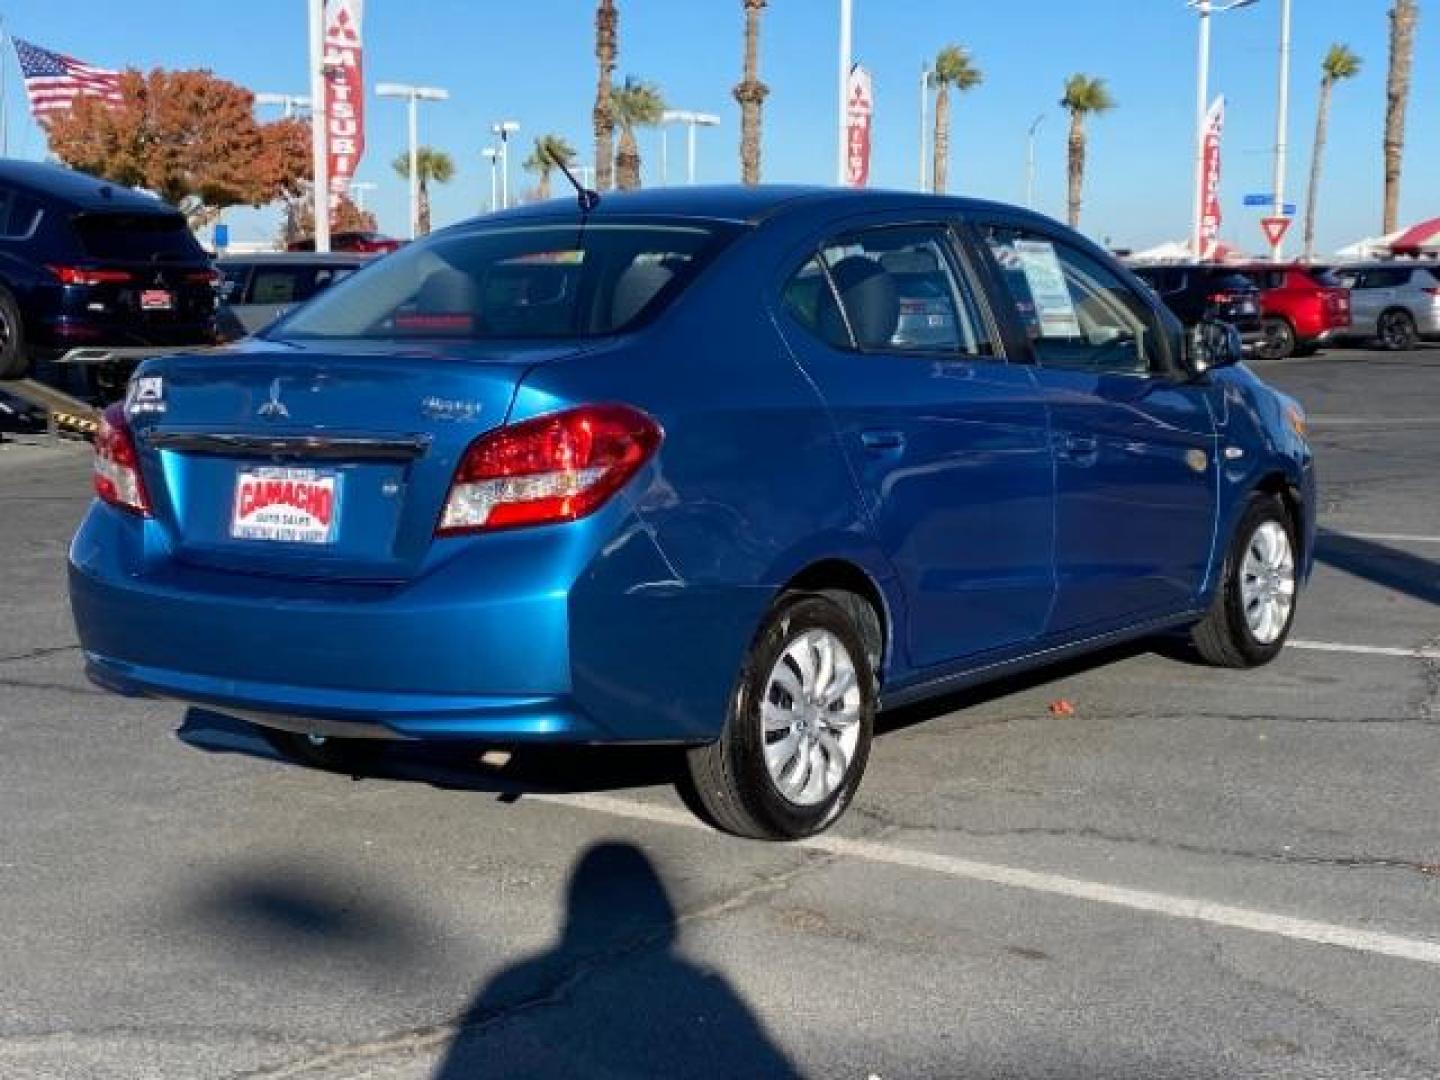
(299, 258)
(742, 203)
(80, 190)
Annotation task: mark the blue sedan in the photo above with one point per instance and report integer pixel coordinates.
(726, 468)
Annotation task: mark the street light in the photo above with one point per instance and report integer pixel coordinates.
(1282, 125)
(504, 129)
(414, 95)
(1204, 8)
(290, 103)
(1030, 162)
(841, 150)
(691, 120)
(492, 155)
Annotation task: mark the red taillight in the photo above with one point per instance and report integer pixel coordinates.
(550, 469)
(80, 275)
(1431, 292)
(117, 466)
(203, 277)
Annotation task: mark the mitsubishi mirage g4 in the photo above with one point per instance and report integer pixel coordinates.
(726, 468)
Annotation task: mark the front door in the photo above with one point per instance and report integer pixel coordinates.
(1137, 479)
(947, 441)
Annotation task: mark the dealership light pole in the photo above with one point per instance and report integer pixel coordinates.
(1202, 106)
(291, 104)
(319, 149)
(841, 120)
(691, 120)
(504, 129)
(1030, 161)
(359, 189)
(1282, 125)
(492, 155)
(414, 95)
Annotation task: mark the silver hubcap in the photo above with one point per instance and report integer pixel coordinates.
(1267, 582)
(810, 717)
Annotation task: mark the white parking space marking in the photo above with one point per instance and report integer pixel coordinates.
(1364, 650)
(1393, 538)
(1175, 907)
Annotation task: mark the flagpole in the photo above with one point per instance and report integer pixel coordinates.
(4, 84)
(319, 148)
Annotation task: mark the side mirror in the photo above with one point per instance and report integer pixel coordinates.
(1214, 344)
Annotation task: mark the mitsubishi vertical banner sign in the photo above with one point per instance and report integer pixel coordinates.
(344, 112)
(1210, 180)
(859, 108)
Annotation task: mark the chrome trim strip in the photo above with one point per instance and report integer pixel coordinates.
(309, 447)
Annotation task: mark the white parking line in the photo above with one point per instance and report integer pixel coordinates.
(1394, 538)
(1175, 907)
(1364, 650)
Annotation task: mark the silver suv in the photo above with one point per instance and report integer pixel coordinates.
(1398, 303)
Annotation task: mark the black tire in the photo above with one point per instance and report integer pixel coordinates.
(1398, 332)
(730, 782)
(1305, 350)
(350, 757)
(1278, 338)
(14, 360)
(1224, 637)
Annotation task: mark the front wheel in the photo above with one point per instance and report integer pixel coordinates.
(1254, 605)
(797, 738)
(1278, 339)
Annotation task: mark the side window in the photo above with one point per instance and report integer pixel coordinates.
(232, 282)
(802, 299)
(1077, 311)
(897, 292)
(276, 285)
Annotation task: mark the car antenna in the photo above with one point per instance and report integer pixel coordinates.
(588, 198)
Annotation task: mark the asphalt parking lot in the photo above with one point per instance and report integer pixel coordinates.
(1192, 874)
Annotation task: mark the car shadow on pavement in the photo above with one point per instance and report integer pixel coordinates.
(613, 996)
(460, 766)
(1380, 564)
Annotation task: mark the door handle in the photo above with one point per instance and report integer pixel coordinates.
(880, 442)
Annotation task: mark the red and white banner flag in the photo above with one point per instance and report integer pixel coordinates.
(859, 109)
(1210, 216)
(344, 108)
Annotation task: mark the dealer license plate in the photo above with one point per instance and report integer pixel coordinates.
(286, 505)
(157, 300)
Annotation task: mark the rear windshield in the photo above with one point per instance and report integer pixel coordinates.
(538, 281)
(1325, 278)
(138, 237)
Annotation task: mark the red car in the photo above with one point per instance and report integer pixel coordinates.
(366, 243)
(1301, 308)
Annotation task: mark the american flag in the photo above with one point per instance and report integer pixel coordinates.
(54, 80)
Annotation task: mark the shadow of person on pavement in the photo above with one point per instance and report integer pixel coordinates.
(612, 997)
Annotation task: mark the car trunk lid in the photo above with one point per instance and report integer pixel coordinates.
(315, 463)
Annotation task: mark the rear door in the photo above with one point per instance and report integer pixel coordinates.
(1136, 475)
(1365, 299)
(947, 440)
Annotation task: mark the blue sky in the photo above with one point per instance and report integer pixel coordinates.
(533, 61)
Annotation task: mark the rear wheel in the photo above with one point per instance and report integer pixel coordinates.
(797, 739)
(1254, 605)
(14, 361)
(1277, 340)
(1398, 331)
(352, 757)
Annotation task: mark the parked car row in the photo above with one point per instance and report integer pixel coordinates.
(86, 263)
(1285, 310)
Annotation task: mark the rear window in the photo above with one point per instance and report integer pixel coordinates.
(138, 238)
(541, 281)
(1326, 279)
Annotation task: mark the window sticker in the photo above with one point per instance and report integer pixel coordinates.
(1053, 304)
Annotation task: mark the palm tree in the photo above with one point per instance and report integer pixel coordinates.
(1083, 95)
(636, 104)
(434, 165)
(953, 67)
(1403, 17)
(607, 31)
(750, 93)
(549, 150)
(1339, 63)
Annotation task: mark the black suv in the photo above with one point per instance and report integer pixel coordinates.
(87, 263)
(1196, 291)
